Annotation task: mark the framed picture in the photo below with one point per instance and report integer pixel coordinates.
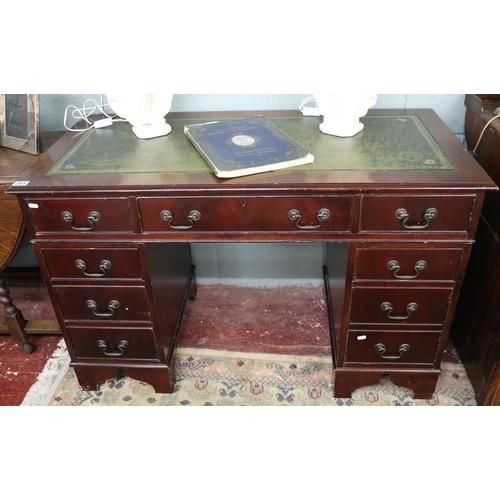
(19, 122)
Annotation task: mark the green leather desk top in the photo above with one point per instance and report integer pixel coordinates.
(387, 143)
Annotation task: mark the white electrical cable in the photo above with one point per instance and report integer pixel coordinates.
(483, 131)
(90, 107)
(308, 110)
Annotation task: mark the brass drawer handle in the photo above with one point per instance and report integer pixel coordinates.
(112, 307)
(387, 307)
(121, 346)
(104, 266)
(381, 349)
(93, 217)
(394, 266)
(322, 215)
(193, 216)
(402, 214)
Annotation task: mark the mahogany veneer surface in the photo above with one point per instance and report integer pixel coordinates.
(404, 183)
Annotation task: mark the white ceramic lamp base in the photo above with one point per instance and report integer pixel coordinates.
(145, 112)
(341, 129)
(341, 112)
(150, 130)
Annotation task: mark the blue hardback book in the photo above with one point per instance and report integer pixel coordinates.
(245, 146)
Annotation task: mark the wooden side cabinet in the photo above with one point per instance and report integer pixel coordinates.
(476, 329)
(14, 163)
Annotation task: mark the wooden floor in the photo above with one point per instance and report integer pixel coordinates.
(283, 320)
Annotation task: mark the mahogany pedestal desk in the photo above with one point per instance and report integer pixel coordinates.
(12, 229)
(396, 207)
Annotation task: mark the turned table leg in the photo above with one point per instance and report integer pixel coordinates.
(14, 319)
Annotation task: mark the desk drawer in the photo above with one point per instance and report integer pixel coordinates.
(407, 264)
(392, 347)
(103, 303)
(323, 214)
(425, 306)
(416, 213)
(113, 343)
(109, 263)
(80, 215)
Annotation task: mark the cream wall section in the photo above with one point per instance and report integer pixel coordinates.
(257, 264)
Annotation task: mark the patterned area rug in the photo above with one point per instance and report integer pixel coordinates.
(223, 378)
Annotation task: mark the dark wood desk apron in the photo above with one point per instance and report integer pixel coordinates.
(396, 206)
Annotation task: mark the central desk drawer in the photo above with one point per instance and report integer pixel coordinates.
(81, 215)
(323, 214)
(109, 263)
(424, 306)
(113, 343)
(103, 303)
(416, 213)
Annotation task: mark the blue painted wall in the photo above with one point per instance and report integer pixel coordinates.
(450, 107)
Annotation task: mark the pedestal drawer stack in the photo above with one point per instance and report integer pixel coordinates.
(102, 290)
(401, 301)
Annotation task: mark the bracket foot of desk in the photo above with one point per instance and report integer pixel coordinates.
(91, 376)
(421, 382)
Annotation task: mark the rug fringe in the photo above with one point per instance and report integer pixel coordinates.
(48, 380)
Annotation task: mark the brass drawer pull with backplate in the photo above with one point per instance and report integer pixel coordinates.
(394, 266)
(322, 215)
(104, 266)
(121, 346)
(193, 216)
(402, 214)
(93, 217)
(112, 307)
(387, 308)
(381, 349)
